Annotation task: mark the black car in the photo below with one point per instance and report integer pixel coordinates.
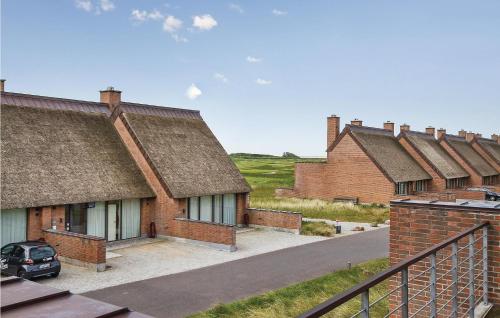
(30, 259)
(489, 194)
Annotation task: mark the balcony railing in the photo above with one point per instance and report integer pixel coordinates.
(448, 279)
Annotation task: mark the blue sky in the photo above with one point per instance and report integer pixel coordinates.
(269, 72)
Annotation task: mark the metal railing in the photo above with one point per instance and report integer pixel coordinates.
(418, 295)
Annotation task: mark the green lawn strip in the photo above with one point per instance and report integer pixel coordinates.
(298, 298)
(267, 174)
(317, 228)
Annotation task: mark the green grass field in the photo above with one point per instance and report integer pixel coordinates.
(298, 298)
(267, 174)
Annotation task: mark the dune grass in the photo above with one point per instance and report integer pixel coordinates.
(317, 228)
(298, 298)
(267, 174)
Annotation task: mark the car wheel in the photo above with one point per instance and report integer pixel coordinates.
(22, 274)
(54, 274)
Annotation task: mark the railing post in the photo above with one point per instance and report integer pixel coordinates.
(404, 293)
(485, 265)
(472, 299)
(454, 278)
(365, 304)
(433, 303)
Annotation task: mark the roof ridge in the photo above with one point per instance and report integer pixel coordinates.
(158, 107)
(385, 132)
(54, 98)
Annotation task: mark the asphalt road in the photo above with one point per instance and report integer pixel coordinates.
(179, 295)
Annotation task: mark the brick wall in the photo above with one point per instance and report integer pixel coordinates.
(204, 231)
(417, 226)
(34, 231)
(85, 249)
(276, 219)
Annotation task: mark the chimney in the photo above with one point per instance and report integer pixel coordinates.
(333, 128)
(441, 132)
(430, 131)
(357, 122)
(2, 85)
(111, 97)
(389, 125)
(404, 127)
(478, 135)
(462, 133)
(494, 137)
(469, 136)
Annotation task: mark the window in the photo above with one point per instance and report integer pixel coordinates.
(7, 250)
(213, 208)
(18, 252)
(490, 180)
(39, 253)
(421, 186)
(402, 188)
(456, 183)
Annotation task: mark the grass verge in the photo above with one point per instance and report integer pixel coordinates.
(298, 298)
(316, 228)
(267, 174)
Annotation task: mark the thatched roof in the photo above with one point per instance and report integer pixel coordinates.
(388, 154)
(465, 150)
(435, 155)
(61, 151)
(183, 150)
(491, 147)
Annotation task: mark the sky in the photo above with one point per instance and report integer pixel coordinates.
(266, 74)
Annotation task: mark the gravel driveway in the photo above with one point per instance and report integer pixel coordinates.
(164, 257)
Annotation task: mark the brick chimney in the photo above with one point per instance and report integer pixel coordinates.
(389, 125)
(441, 132)
(111, 97)
(2, 85)
(333, 129)
(430, 131)
(469, 136)
(357, 122)
(462, 133)
(478, 135)
(494, 137)
(404, 127)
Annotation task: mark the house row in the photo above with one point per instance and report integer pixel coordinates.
(81, 174)
(373, 165)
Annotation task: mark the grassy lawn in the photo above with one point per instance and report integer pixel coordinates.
(298, 298)
(267, 174)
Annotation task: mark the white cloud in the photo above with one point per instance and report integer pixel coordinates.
(261, 81)
(107, 5)
(253, 59)
(204, 22)
(85, 5)
(143, 15)
(193, 92)
(279, 12)
(179, 38)
(221, 77)
(236, 8)
(172, 24)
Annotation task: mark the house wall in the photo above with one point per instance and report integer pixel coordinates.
(475, 179)
(486, 156)
(437, 183)
(415, 227)
(349, 172)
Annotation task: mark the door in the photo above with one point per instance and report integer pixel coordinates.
(112, 209)
(13, 226)
(130, 219)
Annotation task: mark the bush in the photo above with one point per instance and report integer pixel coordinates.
(317, 229)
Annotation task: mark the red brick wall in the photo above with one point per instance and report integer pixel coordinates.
(475, 179)
(469, 195)
(84, 248)
(415, 227)
(349, 172)
(437, 183)
(278, 219)
(204, 231)
(34, 231)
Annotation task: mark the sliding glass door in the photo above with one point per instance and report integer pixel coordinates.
(96, 219)
(131, 219)
(213, 208)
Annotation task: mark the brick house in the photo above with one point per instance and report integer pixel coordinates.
(81, 174)
(489, 149)
(446, 172)
(459, 147)
(363, 164)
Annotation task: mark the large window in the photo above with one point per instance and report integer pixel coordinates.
(456, 183)
(490, 180)
(213, 208)
(402, 188)
(420, 186)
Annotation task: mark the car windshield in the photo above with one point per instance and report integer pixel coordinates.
(39, 253)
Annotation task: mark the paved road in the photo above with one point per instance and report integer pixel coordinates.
(185, 293)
